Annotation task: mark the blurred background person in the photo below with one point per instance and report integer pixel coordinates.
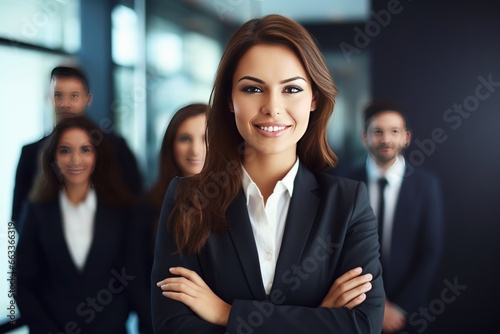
(79, 259)
(70, 95)
(182, 153)
(408, 204)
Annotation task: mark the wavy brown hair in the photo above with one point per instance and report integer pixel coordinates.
(202, 200)
(168, 167)
(105, 179)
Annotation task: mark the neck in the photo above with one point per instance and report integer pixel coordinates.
(76, 193)
(383, 166)
(267, 170)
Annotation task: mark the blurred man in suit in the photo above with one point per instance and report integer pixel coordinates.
(70, 97)
(409, 208)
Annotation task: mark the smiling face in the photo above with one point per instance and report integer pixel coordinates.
(189, 145)
(75, 157)
(386, 137)
(272, 98)
(69, 97)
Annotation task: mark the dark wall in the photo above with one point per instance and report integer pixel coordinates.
(434, 57)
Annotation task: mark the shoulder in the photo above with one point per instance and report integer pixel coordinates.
(421, 175)
(34, 147)
(344, 187)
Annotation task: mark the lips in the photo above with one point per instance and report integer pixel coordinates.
(272, 129)
(75, 171)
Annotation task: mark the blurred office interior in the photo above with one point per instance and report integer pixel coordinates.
(147, 58)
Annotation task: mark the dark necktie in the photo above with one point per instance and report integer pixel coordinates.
(382, 182)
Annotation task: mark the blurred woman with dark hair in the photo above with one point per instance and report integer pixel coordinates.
(79, 258)
(182, 153)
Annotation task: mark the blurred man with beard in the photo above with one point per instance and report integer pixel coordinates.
(70, 96)
(409, 208)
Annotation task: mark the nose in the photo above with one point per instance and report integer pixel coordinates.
(197, 147)
(386, 139)
(64, 103)
(74, 158)
(272, 104)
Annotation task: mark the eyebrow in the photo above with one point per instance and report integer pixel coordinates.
(262, 81)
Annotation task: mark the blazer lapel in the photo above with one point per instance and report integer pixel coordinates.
(241, 235)
(300, 219)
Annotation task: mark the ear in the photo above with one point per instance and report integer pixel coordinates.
(89, 100)
(314, 101)
(365, 139)
(230, 105)
(407, 138)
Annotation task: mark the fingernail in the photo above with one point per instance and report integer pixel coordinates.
(369, 277)
(158, 284)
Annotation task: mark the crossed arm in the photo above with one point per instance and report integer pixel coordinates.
(187, 287)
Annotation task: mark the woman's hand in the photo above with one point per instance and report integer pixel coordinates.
(190, 289)
(349, 290)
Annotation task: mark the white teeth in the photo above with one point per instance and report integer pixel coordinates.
(272, 128)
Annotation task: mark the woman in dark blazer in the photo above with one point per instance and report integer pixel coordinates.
(261, 241)
(78, 256)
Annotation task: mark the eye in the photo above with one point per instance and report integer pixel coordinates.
(184, 139)
(57, 95)
(395, 132)
(378, 132)
(87, 149)
(251, 89)
(292, 89)
(63, 150)
(74, 96)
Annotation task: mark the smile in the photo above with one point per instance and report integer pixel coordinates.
(272, 128)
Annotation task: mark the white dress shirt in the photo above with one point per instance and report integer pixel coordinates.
(268, 221)
(394, 176)
(78, 226)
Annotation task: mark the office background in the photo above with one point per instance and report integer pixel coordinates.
(145, 59)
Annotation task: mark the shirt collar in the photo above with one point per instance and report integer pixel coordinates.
(251, 189)
(393, 174)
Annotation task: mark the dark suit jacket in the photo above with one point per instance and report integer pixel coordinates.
(28, 168)
(54, 296)
(330, 229)
(417, 239)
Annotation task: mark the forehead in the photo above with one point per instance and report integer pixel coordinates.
(194, 124)
(269, 61)
(74, 136)
(67, 83)
(387, 119)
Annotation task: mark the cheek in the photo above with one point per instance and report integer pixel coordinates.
(179, 151)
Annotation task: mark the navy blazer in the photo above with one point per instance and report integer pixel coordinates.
(54, 296)
(330, 229)
(416, 241)
(28, 169)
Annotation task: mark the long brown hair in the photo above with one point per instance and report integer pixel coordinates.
(202, 201)
(168, 167)
(104, 178)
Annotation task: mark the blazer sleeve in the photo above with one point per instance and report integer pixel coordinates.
(417, 285)
(360, 248)
(135, 252)
(170, 316)
(30, 275)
